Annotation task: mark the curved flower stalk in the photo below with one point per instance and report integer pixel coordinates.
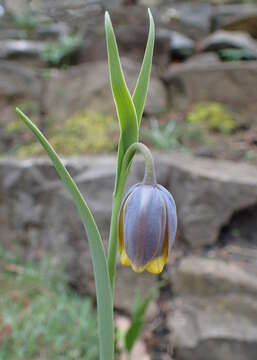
(147, 222)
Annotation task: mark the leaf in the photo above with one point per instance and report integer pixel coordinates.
(137, 322)
(102, 280)
(141, 89)
(122, 98)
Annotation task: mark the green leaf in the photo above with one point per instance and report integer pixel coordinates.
(141, 89)
(137, 322)
(122, 98)
(102, 280)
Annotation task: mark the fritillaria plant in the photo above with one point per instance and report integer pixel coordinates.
(144, 222)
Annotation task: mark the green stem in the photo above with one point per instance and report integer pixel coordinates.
(112, 251)
(149, 178)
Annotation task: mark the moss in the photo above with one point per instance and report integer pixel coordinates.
(83, 133)
(214, 116)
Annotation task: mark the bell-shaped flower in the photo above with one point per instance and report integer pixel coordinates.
(147, 227)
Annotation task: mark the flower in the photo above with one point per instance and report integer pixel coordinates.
(146, 227)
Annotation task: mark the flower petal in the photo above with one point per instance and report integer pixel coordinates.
(120, 219)
(156, 265)
(124, 259)
(144, 224)
(171, 214)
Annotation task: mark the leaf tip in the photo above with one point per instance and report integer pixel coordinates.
(19, 112)
(150, 16)
(107, 18)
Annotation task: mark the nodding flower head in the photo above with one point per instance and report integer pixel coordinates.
(147, 227)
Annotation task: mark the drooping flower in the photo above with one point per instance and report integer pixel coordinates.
(147, 227)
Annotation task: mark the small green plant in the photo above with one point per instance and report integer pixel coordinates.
(25, 22)
(213, 116)
(41, 316)
(60, 52)
(175, 135)
(162, 136)
(237, 55)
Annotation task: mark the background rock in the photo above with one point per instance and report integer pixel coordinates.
(198, 276)
(214, 311)
(68, 91)
(16, 48)
(226, 40)
(243, 23)
(18, 81)
(232, 84)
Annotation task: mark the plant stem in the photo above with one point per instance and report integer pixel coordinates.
(149, 178)
(112, 251)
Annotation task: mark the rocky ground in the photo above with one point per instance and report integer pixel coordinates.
(53, 65)
(208, 304)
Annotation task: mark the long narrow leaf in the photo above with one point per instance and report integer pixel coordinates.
(122, 98)
(102, 280)
(140, 92)
(137, 323)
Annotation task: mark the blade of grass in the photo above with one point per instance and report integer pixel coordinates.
(141, 89)
(102, 280)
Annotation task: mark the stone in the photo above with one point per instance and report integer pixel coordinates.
(221, 39)
(17, 81)
(132, 39)
(182, 46)
(1, 10)
(215, 308)
(18, 48)
(201, 277)
(200, 328)
(226, 14)
(191, 17)
(235, 86)
(52, 31)
(87, 87)
(245, 23)
(204, 58)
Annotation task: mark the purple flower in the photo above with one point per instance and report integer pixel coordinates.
(147, 227)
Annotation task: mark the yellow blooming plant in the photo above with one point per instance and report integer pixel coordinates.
(143, 222)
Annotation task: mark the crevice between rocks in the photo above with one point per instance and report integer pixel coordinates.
(241, 228)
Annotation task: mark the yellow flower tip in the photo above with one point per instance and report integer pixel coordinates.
(124, 259)
(137, 269)
(156, 266)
